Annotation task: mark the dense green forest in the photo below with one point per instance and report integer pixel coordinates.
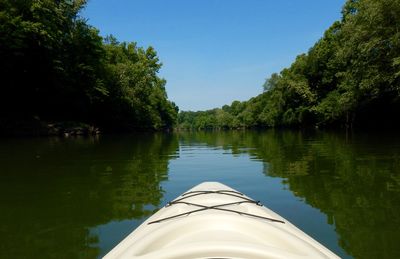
(56, 68)
(349, 78)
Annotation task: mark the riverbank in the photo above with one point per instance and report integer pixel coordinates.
(37, 127)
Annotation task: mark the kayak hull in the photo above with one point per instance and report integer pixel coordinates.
(213, 220)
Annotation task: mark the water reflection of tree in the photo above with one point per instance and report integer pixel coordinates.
(354, 180)
(53, 191)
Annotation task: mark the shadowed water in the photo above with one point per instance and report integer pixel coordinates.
(78, 197)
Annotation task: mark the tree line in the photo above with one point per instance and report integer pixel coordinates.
(349, 78)
(56, 67)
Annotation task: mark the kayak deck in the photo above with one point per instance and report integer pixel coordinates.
(213, 220)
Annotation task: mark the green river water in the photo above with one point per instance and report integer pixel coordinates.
(78, 197)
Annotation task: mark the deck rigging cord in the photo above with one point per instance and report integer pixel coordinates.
(214, 207)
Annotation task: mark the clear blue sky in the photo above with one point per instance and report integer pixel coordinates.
(216, 51)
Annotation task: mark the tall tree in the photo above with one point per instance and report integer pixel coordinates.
(56, 67)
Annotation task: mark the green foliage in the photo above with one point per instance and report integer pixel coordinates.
(350, 77)
(137, 96)
(56, 67)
